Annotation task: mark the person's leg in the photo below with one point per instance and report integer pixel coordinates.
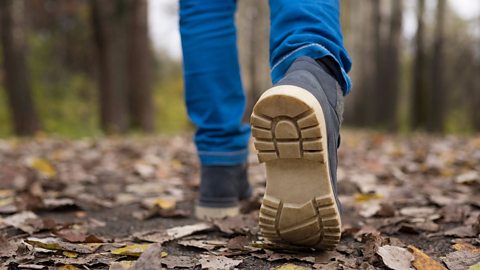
(215, 98)
(307, 28)
(296, 124)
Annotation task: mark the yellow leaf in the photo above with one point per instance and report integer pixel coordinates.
(133, 250)
(122, 265)
(291, 266)
(70, 254)
(423, 262)
(462, 246)
(367, 197)
(67, 267)
(43, 166)
(163, 254)
(165, 203)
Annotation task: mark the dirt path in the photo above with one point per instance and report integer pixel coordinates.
(100, 204)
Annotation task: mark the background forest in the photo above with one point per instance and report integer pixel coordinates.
(80, 68)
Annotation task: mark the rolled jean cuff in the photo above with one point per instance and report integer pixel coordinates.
(315, 51)
(223, 158)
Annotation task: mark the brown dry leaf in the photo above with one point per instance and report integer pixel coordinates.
(151, 259)
(462, 232)
(414, 211)
(212, 262)
(77, 236)
(173, 233)
(238, 224)
(51, 243)
(26, 221)
(203, 244)
(7, 249)
(180, 261)
(396, 258)
(238, 243)
(459, 260)
(56, 203)
(423, 262)
(462, 246)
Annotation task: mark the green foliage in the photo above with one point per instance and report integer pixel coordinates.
(169, 102)
(66, 100)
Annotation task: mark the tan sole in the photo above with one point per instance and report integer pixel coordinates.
(210, 213)
(298, 207)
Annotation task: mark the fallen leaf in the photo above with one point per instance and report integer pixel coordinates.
(218, 262)
(238, 224)
(67, 267)
(459, 260)
(180, 261)
(42, 166)
(462, 246)
(470, 177)
(462, 232)
(203, 244)
(151, 259)
(7, 249)
(77, 236)
(131, 250)
(54, 203)
(122, 265)
(423, 262)
(26, 221)
(291, 266)
(395, 258)
(417, 211)
(173, 233)
(365, 197)
(70, 254)
(51, 243)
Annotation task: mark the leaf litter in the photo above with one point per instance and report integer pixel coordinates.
(126, 203)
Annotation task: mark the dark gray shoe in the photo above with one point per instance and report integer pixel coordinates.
(221, 189)
(296, 128)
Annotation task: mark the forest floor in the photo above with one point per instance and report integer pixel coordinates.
(126, 203)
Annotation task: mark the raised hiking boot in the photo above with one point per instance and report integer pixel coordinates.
(221, 189)
(296, 129)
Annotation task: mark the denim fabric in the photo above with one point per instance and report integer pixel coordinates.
(213, 89)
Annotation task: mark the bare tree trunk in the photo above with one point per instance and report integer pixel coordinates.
(253, 21)
(420, 88)
(17, 80)
(139, 68)
(109, 22)
(391, 63)
(377, 91)
(476, 83)
(437, 92)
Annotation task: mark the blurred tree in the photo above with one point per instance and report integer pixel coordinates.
(253, 39)
(110, 24)
(420, 87)
(139, 68)
(436, 118)
(390, 66)
(17, 79)
(121, 37)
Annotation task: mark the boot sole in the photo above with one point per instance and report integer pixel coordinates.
(211, 213)
(299, 207)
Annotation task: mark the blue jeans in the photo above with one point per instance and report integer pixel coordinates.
(213, 88)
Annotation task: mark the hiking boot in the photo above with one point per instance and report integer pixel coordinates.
(221, 189)
(296, 129)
